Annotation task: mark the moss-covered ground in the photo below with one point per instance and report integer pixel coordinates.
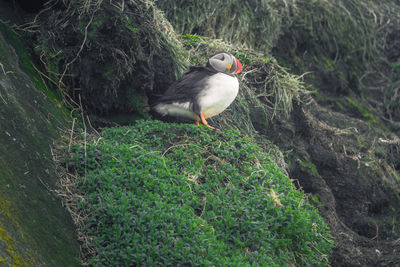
(179, 194)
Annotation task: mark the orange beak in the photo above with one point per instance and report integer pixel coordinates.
(239, 67)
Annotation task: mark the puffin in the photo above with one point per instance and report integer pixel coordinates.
(202, 92)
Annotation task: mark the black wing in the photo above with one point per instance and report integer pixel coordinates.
(188, 87)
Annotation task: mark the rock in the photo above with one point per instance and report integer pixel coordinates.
(35, 230)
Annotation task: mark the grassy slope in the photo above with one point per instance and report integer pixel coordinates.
(347, 47)
(173, 194)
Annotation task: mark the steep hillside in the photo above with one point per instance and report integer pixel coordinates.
(319, 94)
(35, 230)
(347, 47)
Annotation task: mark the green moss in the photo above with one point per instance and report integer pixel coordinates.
(5, 210)
(191, 40)
(311, 166)
(38, 237)
(371, 118)
(168, 194)
(96, 24)
(328, 64)
(396, 66)
(245, 59)
(316, 201)
(27, 65)
(25, 61)
(13, 255)
(339, 106)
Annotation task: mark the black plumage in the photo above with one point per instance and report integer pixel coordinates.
(203, 92)
(187, 88)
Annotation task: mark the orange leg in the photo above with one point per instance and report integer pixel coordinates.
(196, 122)
(203, 120)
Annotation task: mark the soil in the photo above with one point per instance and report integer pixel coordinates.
(349, 169)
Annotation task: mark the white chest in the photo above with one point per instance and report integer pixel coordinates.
(220, 92)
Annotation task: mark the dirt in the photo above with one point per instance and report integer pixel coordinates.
(349, 169)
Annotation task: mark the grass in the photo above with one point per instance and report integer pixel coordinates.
(346, 44)
(344, 28)
(368, 116)
(123, 49)
(267, 90)
(176, 194)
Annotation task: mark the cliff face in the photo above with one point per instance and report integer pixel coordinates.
(341, 147)
(34, 228)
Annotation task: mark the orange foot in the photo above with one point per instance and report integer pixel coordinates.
(203, 120)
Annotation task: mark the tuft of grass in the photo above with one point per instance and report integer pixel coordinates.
(349, 45)
(176, 194)
(371, 118)
(267, 90)
(119, 47)
(190, 40)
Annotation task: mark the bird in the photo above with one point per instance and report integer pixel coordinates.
(202, 92)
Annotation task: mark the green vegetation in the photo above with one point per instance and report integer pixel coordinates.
(349, 45)
(233, 21)
(26, 63)
(348, 29)
(396, 66)
(363, 112)
(311, 166)
(15, 256)
(177, 194)
(316, 201)
(190, 40)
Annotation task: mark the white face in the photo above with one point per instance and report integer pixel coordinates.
(223, 62)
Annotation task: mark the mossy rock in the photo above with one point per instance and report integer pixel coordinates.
(35, 229)
(179, 194)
